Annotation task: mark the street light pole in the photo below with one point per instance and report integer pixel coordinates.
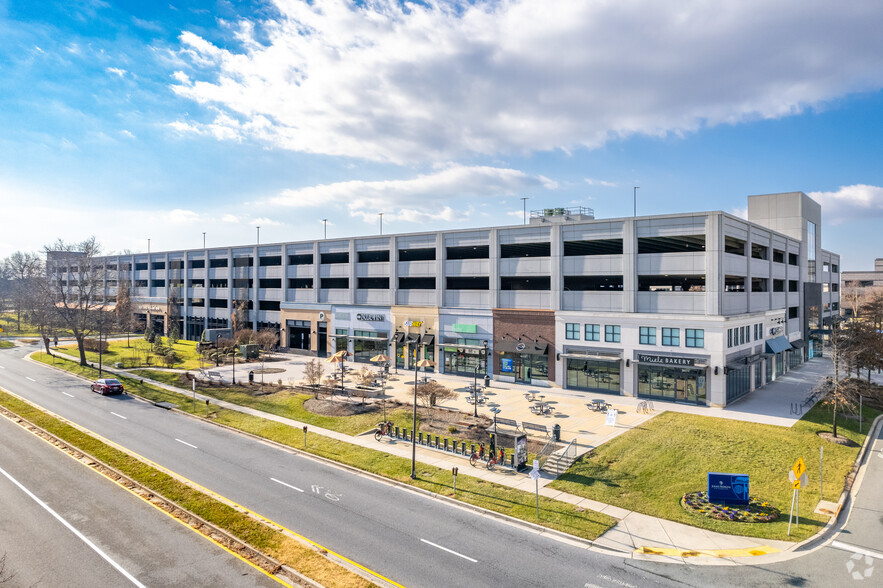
(524, 209)
(414, 424)
(325, 221)
(259, 234)
(475, 392)
(381, 222)
(203, 240)
(635, 200)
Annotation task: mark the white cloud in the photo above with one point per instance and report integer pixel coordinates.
(181, 216)
(423, 198)
(127, 134)
(116, 71)
(603, 183)
(856, 202)
(264, 222)
(229, 218)
(386, 80)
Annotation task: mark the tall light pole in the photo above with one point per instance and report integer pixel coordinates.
(259, 234)
(524, 209)
(148, 252)
(417, 366)
(635, 199)
(381, 222)
(203, 240)
(325, 221)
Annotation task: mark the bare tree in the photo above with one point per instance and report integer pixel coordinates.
(125, 316)
(22, 268)
(835, 392)
(174, 308)
(80, 299)
(313, 372)
(41, 309)
(432, 394)
(239, 315)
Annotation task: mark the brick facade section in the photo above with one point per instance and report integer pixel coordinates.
(527, 324)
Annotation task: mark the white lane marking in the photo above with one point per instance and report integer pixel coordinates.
(187, 444)
(856, 549)
(2, 367)
(119, 415)
(284, 484)
(66, 394)
(31, 379)
(82, 537)
(450, 551)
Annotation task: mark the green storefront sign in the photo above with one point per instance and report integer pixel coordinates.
(464, 328)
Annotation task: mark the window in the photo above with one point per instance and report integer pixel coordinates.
(468, 252)
(301, 259)
(760, 284)
(199, 302)
(270, 283)
(592, 283)
(756, 332)
(835, 269)
(468, 283)
(729, 337)
(835, 306)
(778, 285)
(218, 262)
(734, 245)
(217, 283)
(158, 283)
(792, 285)
(778, 256)
(734, 284)
(141, 265)
(270, 260)
(196, 283)
(300, 283)
(531, 283)
(593, 332)
(596, 247)
(744, 336)
(611, 333)
(525, 250)
(648, 335)
(249, 304)
(695, 337)
(197, 263)
(679, 244)
(826, 267)
(242, 283)
(759, 251)
(340, 283)
(158, 265)
(373, 256)
(138, 283)
(835, 287)
(217, 303)
(793, 259)
(176, 264)
(243, 261)
(571, 331)
(792, 312)
(671, 283)
(423, 254)
(373, 283)
(671, 337)
(268, 305)
(329, 258)
(417, 283)
(825, 287)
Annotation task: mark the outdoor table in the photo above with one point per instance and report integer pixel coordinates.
(599, 403)
(543, 407)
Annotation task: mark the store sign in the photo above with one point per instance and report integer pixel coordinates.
(665, 360)
(506, 364)
(520, 347)
(413, 323)
(776, 330)
(376, 318)
(464, 328)
(727, 488)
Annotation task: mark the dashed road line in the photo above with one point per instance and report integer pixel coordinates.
(31, 379)
(187, 444)
(288, 485)
(119, 415)
(449, 550)
(66, 394)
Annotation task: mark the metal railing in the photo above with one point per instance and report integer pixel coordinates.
(570, 211)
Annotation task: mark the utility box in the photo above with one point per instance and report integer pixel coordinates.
(249, 351)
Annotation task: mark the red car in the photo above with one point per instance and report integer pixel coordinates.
(107, 386)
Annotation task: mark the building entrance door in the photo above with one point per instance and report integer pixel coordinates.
(522, 369)
(322, 339)
(298, 335)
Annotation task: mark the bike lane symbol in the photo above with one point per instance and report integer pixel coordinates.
(329, 495)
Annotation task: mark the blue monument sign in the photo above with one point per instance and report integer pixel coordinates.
(727, 488)
(506, 364)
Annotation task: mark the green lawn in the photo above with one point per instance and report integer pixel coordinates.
(6, 344)
(133, 353)
(553, 514)
(9, 324)
(649, 468)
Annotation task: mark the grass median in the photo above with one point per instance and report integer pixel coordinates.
(649, 468)
(554, 514)
(134, 351)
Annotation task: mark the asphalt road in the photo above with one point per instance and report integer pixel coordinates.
(407, 537)
(100, 534)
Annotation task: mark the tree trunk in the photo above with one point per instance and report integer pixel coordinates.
(835, 418)
(46, 345)
(82, 347)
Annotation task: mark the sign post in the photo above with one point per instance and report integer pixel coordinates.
(194, 393)
(821, 473)
(535, 474)
(305, 436)
(798, 478)
(454, 472)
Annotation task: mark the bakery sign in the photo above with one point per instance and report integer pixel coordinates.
(666, 360)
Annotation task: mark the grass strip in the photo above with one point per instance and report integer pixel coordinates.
(6, 344)
(554, 514)
(285, 549)
(133, 351)
(649, 468)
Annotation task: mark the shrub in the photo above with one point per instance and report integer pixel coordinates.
(92, 345)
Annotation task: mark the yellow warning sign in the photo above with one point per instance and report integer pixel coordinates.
(798, 468)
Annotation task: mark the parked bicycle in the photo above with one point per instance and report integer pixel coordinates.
(477, 455)
(495, 460)
(383, 429)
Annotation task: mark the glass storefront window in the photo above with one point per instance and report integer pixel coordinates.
(365, 349)
(738, 383)
(780, 364)
(593, 375)
(340, 341)
(671, 383)
(758, 375)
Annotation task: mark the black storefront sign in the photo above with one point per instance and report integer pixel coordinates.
(666, 360)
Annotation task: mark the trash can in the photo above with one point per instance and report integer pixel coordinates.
(487, 381)
(251, 377)
(556, 432)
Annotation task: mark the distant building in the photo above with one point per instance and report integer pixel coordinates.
(857, 283)
(698, 308)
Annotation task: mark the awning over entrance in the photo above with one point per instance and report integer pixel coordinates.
(799, 344)
(399, 337)
(596, 356)
(427, 339)
(778, 344)
(529, 348)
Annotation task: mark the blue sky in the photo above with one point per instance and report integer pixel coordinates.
(136, 120)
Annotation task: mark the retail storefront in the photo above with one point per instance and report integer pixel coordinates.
(305, 329)
(522, 343)
(592, 371)
(363, 331)
(744, 373)
(466, 343)
(154, 316)
(673, 378)
(777, 346)
(415, 335)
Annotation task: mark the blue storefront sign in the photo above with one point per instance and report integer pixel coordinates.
(727, 488)
(506, 364)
